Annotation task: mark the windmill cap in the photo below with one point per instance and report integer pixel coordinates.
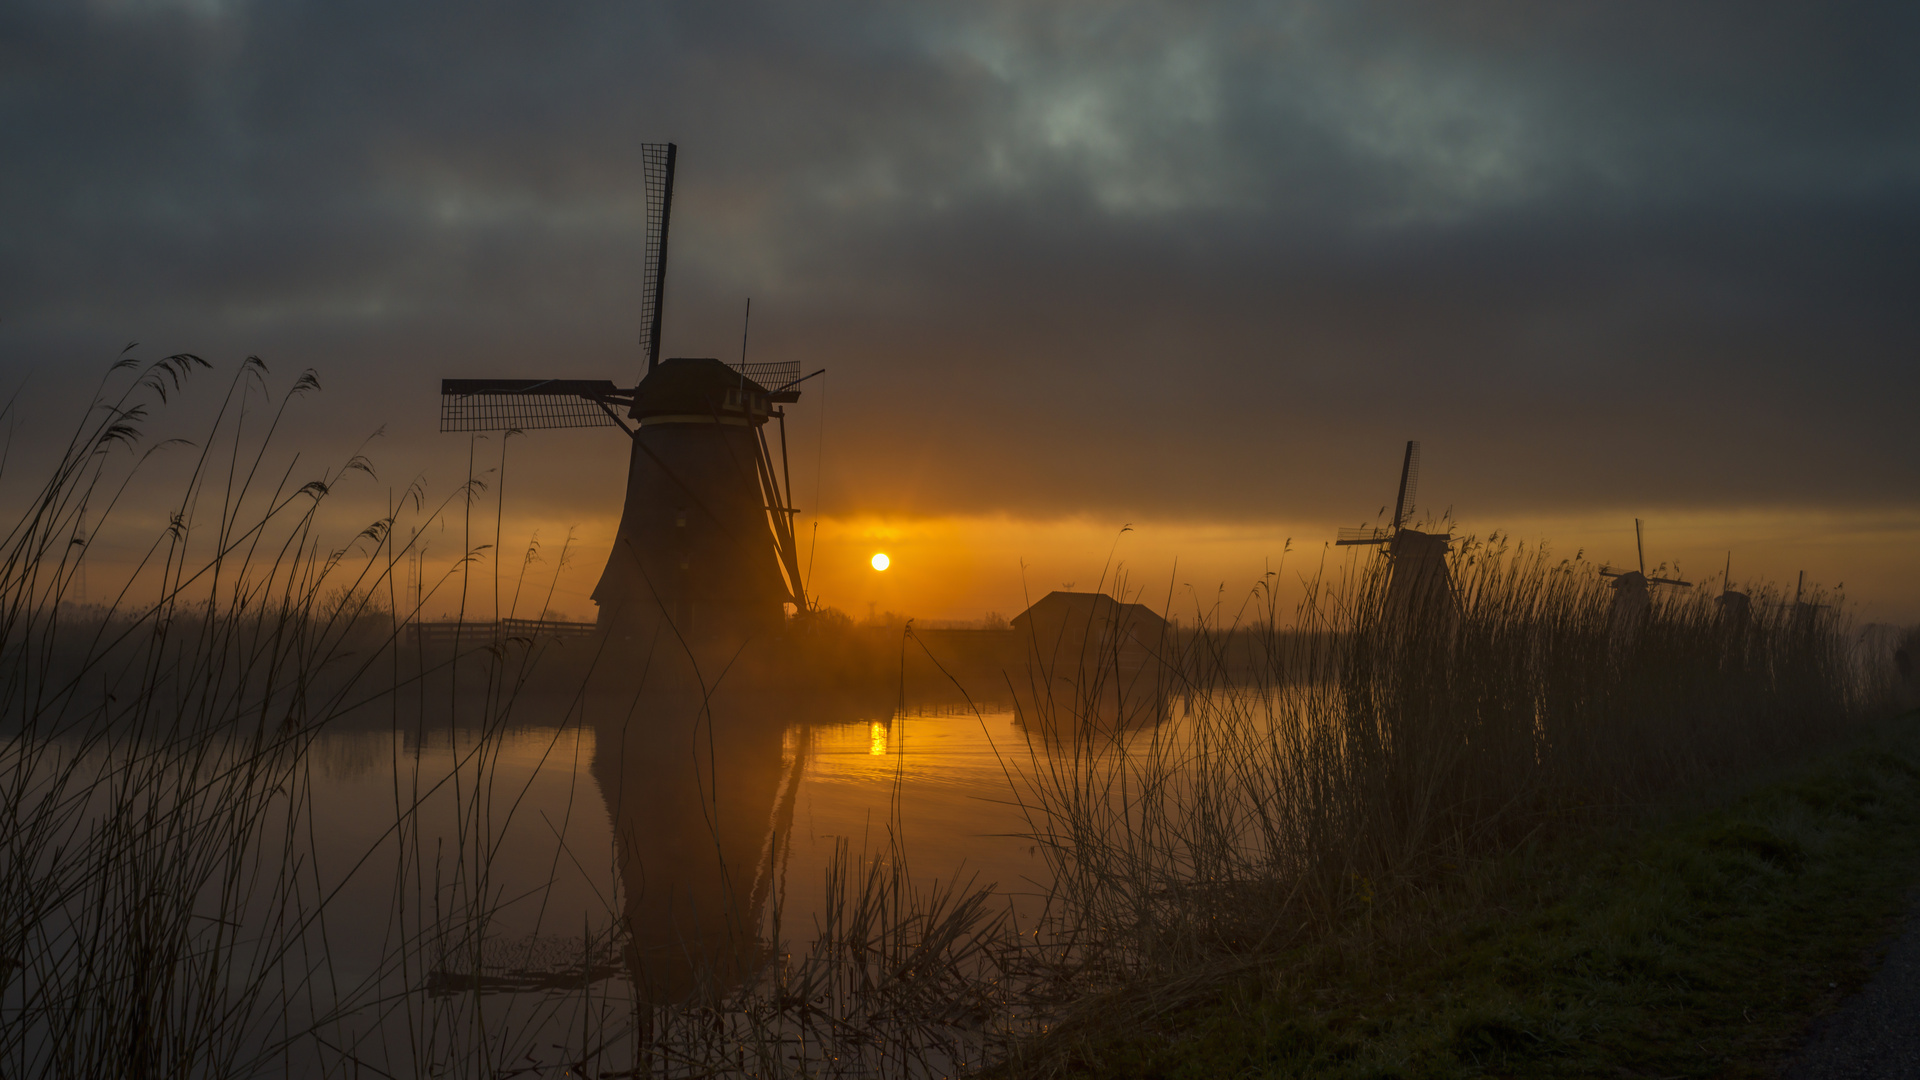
(695, 389)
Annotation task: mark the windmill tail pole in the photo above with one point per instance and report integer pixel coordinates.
(780, 517)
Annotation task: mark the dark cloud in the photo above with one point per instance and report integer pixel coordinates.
(1197, 260)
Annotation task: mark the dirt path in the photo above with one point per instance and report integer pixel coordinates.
(1875, 1035)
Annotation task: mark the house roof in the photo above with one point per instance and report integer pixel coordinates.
(1090, 609)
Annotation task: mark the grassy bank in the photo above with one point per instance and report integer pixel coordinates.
(1693, 945)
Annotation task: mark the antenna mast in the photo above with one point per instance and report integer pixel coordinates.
(657, 160)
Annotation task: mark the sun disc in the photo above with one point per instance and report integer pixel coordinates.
(880, 561)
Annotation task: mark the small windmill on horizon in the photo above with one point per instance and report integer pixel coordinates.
(1805, 613)
(1418, 582)
(706, 539)
(1736, 607)
(1631, 598)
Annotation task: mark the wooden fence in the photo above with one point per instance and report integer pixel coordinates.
(476, 633)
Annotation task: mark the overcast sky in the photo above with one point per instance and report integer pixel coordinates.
(1185, 261)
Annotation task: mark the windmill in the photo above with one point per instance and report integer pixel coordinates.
(1631, 599)
(1736, 607)
(706, 536)
(1418, 583)
(1805, 613)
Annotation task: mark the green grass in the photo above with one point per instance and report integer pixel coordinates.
(1699, 945)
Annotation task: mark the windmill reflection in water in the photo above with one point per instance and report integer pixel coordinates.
(701, 793)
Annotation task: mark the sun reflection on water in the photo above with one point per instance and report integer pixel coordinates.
(878, 747)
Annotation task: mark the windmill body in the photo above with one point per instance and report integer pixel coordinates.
(1734, 608)
(1419, 585)
(705, 543)
(692, 545)
(1632, 602)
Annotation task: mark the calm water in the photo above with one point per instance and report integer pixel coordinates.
(696, 827)
(582, 854)
(552, 795)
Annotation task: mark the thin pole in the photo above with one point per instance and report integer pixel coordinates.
(786, 473)
(744, 324)
(819, 466)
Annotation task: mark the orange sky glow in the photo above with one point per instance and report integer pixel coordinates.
(959, 568)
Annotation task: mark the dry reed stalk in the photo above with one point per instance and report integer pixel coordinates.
(1375, 750)
(161, 909)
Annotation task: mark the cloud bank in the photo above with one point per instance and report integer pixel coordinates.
(1206, 261)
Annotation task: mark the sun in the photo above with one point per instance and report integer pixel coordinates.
(881, 562)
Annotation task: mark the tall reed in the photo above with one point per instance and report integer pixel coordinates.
(160, 912)
(163, 907)
(1374, 748)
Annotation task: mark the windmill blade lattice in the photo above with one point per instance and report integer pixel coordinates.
(528, 404)
(773, 375)
(1365, 534)
(658, 161)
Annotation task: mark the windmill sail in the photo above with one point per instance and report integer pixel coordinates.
(1409, 483)
(1639, 577)
(772, 374)
(1402, 505)
(1365, 534)
(658, 161)
(528, 404)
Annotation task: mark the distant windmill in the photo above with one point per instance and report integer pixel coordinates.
(1736, 608)
(1418, 582)
(706, 537)
(1631, 599)
(1805, 613)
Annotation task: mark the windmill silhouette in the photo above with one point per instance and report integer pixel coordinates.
(1631, 597)
(1736, 608)
(706, 538)
(1804, 614)
(1418, 584)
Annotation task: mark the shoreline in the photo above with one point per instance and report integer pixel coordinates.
(1703, 940)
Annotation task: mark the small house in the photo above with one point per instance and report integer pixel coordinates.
(1082, 630)
(1093, 660)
